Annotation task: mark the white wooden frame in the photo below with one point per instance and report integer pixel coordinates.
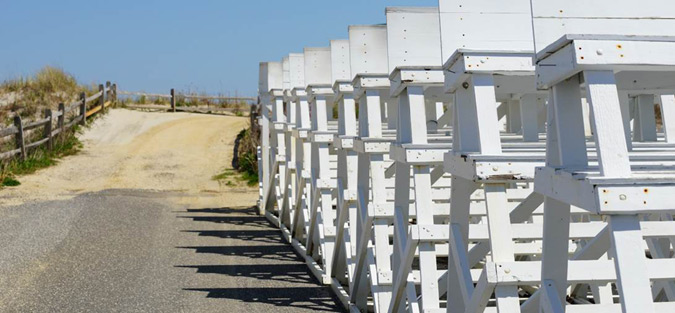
(320, 239)
(270, 79)
(491, 201)
(622, 192)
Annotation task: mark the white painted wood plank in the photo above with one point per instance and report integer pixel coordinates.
(645, 118)
(339, 56)
(413, 37)
(486, 112)
(667, 104)
(317, 65)
(529, 117)
(607, 121)
(368, 49)
(630, 262)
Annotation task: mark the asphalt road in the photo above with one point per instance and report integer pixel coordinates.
(137, 251)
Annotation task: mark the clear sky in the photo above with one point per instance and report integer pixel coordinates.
(147, 45)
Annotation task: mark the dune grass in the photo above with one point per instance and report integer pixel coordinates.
(28, 97)
(239, 107)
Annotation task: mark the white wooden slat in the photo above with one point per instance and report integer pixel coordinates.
(615, 308)
(317, 65)
(486, 113)
(297, 70)
(368, 49)
(302, 113)
(412, 123)
(465, 137)
(580, 271)
(554, 255)
(513, 122)
(286, 73)
(347, 116)
(553, 19)
(604, 9)
(667, 105)
(607, 123)
(370, 125)
(339, 56)
(528, 112)
(271, 76)
(624, 102)
(631, 267)
(501, 243)
(413, 37)
(645, 120)
(569, 128)
(463, 25)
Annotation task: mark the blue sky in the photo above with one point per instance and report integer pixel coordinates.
(205, 46)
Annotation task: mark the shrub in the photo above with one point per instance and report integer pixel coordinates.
(246, 157)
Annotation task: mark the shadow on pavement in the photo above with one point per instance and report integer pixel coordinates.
(258, 257)
(277, 253)
(293, 273)
(253, 221)
(261, 236)
(237, 210)
(297, 297)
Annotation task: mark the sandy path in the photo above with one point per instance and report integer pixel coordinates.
(126, 149)
(134, 223)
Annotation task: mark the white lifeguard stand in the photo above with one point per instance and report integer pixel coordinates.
(368, 58)
(270, 79)
(621, 46)
(320, 241)
(416, 78)
(342, 273)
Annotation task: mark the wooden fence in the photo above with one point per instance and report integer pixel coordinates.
(56, 122)
(172, 107)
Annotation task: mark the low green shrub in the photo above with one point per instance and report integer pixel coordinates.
(246, 156)
(39, 158)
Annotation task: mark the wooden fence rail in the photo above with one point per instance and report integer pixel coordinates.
(172, 107)
(21, 130)
(156, 95)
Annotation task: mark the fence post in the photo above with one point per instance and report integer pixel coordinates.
(114, 93)
(83, 108)
(48, 129)
(173, 100)
(62, 117)
(101, 100)
(20, 143)
(108, 91)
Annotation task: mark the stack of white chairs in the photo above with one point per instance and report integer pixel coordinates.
(482, 156)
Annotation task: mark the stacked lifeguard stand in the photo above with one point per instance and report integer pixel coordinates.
(481, 156)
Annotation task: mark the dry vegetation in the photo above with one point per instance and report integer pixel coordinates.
(181, 101)
(29, 97)
(246, 156)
